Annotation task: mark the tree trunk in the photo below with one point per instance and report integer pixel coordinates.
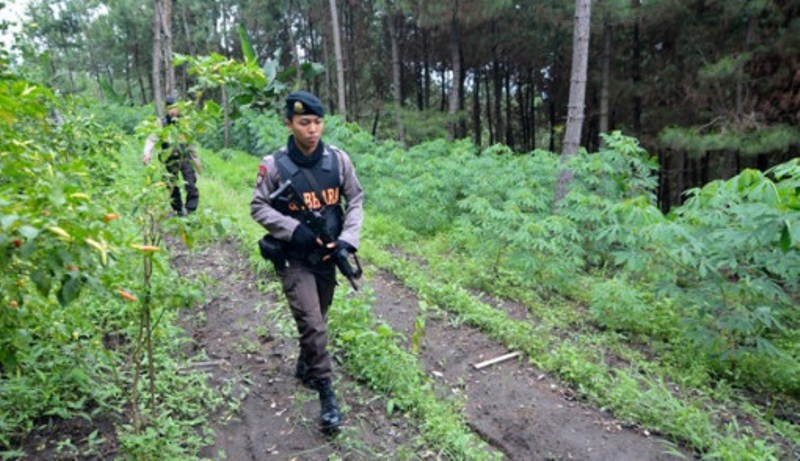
(128, 88)
(169, 69)
(351, 68)
(396, 82)
(158, 99)
(509, 124)
(312, 40)
(462, 123)
(592, 138)
(215, 37)
(94, 69)
(523, 114)
(499, 130)
(226, 122)
(705, 167)
(476, 108)
(489, 121)
(189, 48)
(427, 70)
(679, 168)
(455, 55)
(662, 197)
(110, 75)
(137, 65)
(443, 98)
(420, 85)
(741, 74)
(375, 121)
(636, 70)
(295, 52)
(337, 48)
(186, 31)
(532, 107)
(224, 16)
(577, 96)
(606, 78)
(552, 112)
(328, 83)
(498, 92)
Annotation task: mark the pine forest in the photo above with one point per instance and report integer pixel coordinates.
(580, 236)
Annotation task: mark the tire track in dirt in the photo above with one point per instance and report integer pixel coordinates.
(522, 411)
(268, 414)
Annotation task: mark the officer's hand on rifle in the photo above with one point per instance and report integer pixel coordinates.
(337, 245)
(303, 238)
(341, 251)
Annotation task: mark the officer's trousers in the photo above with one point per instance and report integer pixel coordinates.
(183, 165)
(309, 291)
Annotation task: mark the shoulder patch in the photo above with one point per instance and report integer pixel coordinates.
(262, 173)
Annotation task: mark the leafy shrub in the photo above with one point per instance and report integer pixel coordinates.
(721, 271)
(68, 307)
(124, 117)
(618, 305)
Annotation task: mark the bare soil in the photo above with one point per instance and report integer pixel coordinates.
(270, 414)
(516, 408)
(61, 439)
(237, 337)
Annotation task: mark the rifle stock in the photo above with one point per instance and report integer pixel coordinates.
(327, 225)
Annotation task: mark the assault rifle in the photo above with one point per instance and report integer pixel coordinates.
(327, 225)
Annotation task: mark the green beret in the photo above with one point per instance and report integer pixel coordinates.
(303, 103)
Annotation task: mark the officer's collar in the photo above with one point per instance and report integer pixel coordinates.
(301, 159)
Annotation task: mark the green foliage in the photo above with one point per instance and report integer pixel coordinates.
(734, 262)
(248, 52)
(54, 235)
(418, 126)
(370, 348)
(775, 138)
(259, 135)
(725, 68)
(723, 268)
(193, 124)
(246, 83)
(616, 304)
(70, 196)
(124, 117)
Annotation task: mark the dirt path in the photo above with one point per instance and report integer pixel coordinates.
(517, 409)
(523, 412)
(270, 415)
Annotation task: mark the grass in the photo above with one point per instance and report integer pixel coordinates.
(77, 365)
(369, 349)
(563, 344)
(659, 396)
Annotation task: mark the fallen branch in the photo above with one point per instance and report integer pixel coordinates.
(502, 358)
(195, 365)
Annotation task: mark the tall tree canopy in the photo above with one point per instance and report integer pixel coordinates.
(711, 87)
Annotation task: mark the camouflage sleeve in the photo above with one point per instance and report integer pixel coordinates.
(268, 180)
(354, 201)
(149, 146)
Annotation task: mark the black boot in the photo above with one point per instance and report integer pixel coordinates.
(301, 372)
(329, 416)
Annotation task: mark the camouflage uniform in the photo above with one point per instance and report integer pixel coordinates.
(180, 162)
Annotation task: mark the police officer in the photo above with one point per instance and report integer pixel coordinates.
(321, 175)
(181, 159)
